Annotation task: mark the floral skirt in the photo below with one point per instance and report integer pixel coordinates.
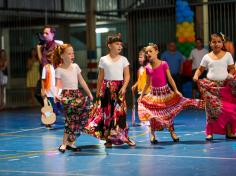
(75, 108)
(161, 106)
(220, 98)
(107, 118)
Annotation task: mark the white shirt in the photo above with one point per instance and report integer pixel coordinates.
(196, 56)
(113, 70)
(69, 76)
(50, 92)
(217, 69)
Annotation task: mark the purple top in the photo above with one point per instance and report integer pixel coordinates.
(158, 74)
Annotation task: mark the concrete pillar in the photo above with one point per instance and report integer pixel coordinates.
(205, 23)
(91, 43)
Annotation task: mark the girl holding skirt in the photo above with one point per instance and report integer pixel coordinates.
(107, 119)
(75, 105)
(218, 89)
(162, 104)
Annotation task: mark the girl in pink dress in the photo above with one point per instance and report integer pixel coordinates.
(162, 104)
(218, 89)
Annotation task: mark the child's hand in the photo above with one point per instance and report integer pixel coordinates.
(57, 98)
(140, 99)
(91, 97)
(179, 93)
(43, 93)
(122, 91)
(195, 78)
(230, 76)
(133, 89)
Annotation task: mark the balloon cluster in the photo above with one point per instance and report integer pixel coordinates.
(185, 27)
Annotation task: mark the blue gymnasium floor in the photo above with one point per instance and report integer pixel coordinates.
(27, 148)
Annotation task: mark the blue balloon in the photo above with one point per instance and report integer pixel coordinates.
(189, 19)
(184, 4)
(180, 20)
(178, 3)
(179, 15)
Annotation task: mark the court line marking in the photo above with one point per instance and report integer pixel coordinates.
(20, 131)
(167, 156)
(27, 154)
(43, 173)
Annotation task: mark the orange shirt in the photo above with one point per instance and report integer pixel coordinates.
(142, 76)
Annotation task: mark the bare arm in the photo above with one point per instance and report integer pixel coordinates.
(58, 86)
(198, 73)
(39, 52)
(100, 80)
(231, 69)
(126, 80)
(85, 86)
(171, 80)
(134, 88)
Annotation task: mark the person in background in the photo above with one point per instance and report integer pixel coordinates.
(33, 73)
(48, 84)
(3, 77)
(46, 44)
(141, 79)
(196, 56)
(175, 61)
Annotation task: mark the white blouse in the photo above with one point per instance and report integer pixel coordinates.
(113, 70)
(217, 69)
(69, 76)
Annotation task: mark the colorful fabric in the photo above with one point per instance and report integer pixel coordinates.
(107, 119)
(158, 74)
(47, 81)
(220, 98)
(142, 77)
(162, 105)
(76, 108)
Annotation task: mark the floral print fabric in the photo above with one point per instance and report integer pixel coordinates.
(107, 118)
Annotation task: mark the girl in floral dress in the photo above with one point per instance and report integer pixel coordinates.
(108, 118)
(75, 105)
(218, 89)
(162, 104)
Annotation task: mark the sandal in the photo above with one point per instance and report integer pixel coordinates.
(73, 148)
(108, 144)
(209, 138)
(130, 142)
(61, 149)
(174, 136)
(153, 140)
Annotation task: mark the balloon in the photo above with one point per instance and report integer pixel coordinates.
(181, 39)
(191, 39)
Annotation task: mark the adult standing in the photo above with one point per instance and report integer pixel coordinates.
(47, 44)
(175, 61)
(196, 56)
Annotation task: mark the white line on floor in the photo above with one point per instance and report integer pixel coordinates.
(43, 173)
(175, 156)
(24, 130)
